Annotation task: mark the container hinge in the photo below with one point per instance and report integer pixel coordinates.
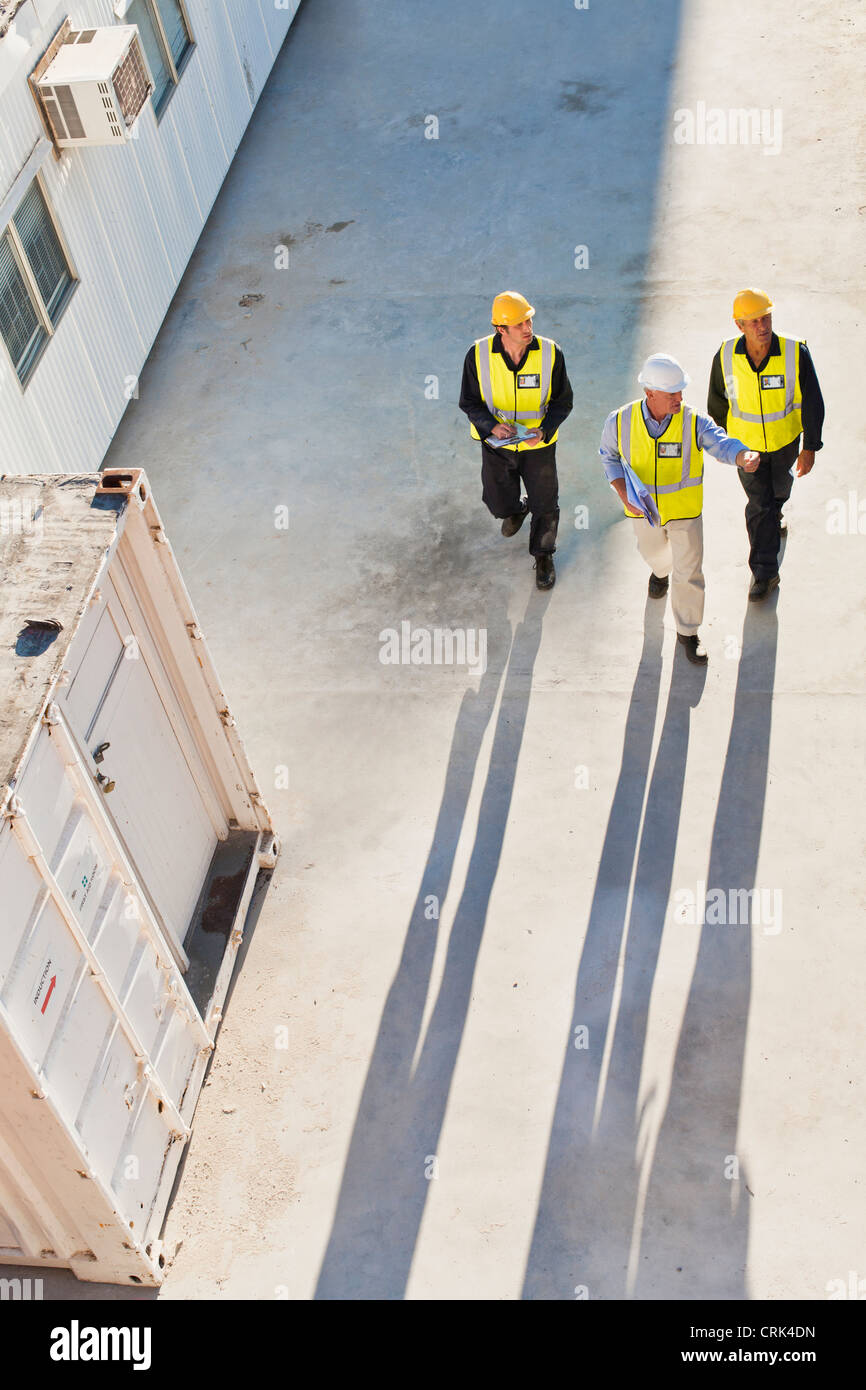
(269, 852)
(195, 632)
(227, 718)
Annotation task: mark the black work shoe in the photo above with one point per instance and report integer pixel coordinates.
(761, 587)
(695, 649)
(512, 524)
(545, 574)
(657, 587)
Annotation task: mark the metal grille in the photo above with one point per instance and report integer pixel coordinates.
(66, 101)
(52, 111)
(110, 109)
(130, 83)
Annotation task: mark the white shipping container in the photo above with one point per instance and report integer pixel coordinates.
(131, 835)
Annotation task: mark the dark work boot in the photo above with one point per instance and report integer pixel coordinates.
(761, 587)
(657, 587)
(695, 649)
(545, 574)
(512, 524)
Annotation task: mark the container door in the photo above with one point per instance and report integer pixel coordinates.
(118, 1063)
(113, 704)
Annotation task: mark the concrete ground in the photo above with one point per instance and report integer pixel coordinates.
(552, 1089)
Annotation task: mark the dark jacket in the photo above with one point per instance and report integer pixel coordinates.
(559, 406)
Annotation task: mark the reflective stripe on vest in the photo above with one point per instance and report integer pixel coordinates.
(764, 430)
(498, 385)
(676, 496)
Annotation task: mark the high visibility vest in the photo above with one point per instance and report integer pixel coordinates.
(763, 407)
(515, 397)
(672, 465)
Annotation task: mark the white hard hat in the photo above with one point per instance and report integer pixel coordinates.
(661, 372)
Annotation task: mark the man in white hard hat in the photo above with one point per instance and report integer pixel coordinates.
(516, 393)
(765, 387)
(662, 442)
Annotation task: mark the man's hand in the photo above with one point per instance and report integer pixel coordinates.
(618, 485)
(534, 438)
(748, 460)
(805, 462)
(504, 431)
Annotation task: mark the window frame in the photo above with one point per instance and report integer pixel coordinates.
(26, 270)
(175, 73)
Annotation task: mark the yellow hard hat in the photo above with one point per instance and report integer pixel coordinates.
(510, 308)
(752, 304)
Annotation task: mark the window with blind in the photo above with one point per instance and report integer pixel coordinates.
(167, 42)
(35, 281)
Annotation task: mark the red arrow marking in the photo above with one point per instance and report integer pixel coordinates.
(51, 983)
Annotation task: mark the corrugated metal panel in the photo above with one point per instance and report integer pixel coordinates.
(104, 209)
(227, 92)
(165, 194)
(130, 215)
(188, 124)
(19, 126)
(276, 21)
(114, 309)
(252, 43)
(71, 400)
(30, 442)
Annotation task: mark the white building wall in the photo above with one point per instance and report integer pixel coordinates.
(130, 218)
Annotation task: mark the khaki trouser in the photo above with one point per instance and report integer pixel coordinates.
(677, 549)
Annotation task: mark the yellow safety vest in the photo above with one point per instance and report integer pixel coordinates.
(672, 465)
(515, 397)
(763, 407)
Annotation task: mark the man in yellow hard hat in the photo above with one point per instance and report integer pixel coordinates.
(764, 389)
(516, 393)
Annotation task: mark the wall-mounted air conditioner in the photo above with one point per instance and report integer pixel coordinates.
(95, 86)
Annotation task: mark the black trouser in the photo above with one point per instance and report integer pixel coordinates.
(768, 489)
(500, 490)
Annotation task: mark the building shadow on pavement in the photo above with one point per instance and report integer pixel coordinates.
(397, 1128)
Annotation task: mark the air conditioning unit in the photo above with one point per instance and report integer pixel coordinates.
(95, 86)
